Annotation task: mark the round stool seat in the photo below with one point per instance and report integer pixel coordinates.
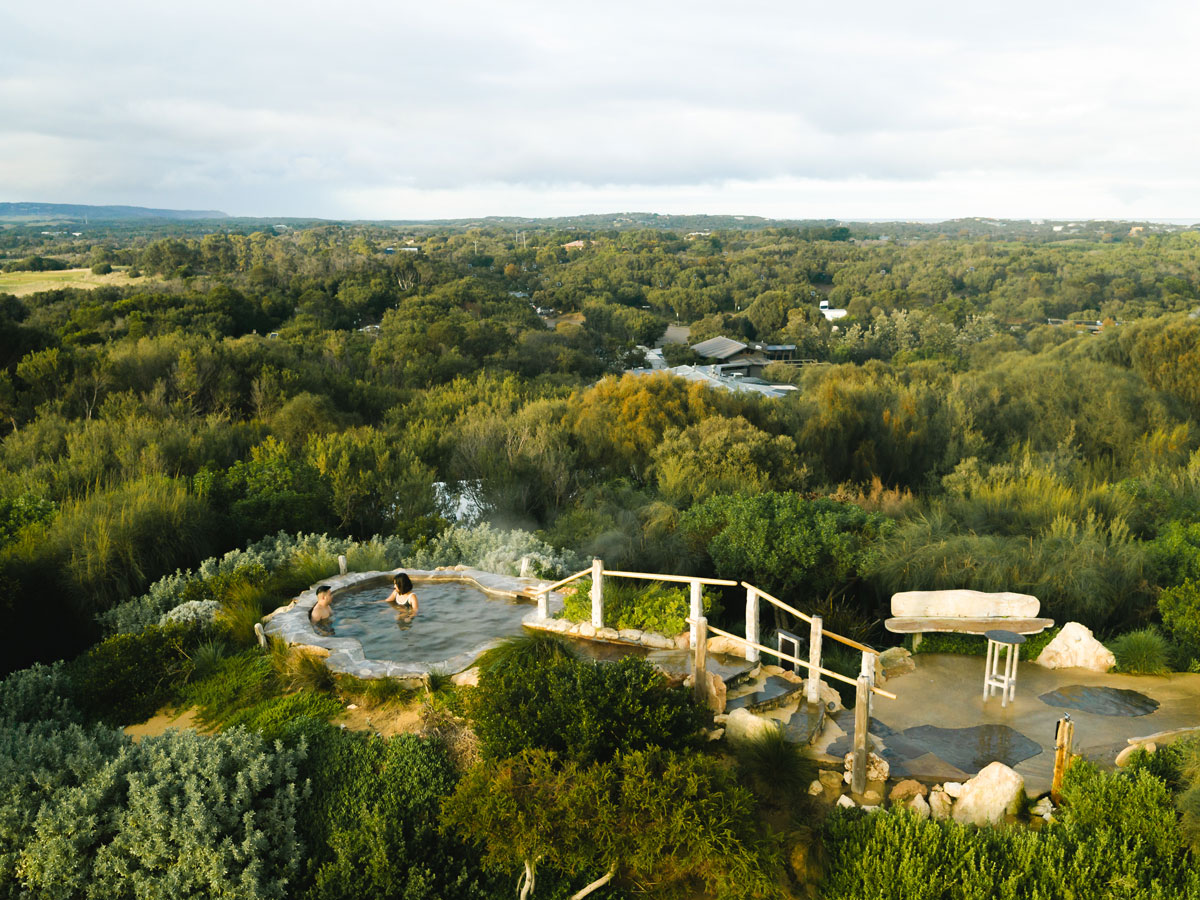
(1000, 636)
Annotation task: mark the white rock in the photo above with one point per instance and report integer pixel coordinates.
(868, 808)
(918, 805)
(991, 795)
(574, 629)
(587, 629)
(742, 726)
(953, 788)
(682, 641)
(816, 789)
(963, 604)
(1075, 648)
(940, 804)
(607, 634)
(829, 696)
(469, 678)
(633, 635)
(657, 641)
(846, 801)
(877, 767)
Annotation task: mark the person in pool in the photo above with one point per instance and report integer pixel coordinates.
(321, 611)
(402, 595)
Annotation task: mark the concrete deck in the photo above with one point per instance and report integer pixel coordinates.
(919, 732)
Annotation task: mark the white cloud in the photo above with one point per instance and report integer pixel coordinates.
(472, 108)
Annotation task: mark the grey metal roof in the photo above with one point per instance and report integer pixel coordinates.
(718, 348)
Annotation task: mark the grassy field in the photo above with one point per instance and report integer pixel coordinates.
(21, 283)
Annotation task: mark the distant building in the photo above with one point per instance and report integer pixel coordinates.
(576, 245)
(831, 314)
(732, 355)
(714, 377)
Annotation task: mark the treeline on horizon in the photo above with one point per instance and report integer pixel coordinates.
(351, 379)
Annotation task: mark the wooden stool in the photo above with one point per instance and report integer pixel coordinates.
(993, 679)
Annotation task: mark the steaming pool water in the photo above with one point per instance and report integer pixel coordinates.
(454, 618)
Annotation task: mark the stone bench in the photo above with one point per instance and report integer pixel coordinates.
(964, 612)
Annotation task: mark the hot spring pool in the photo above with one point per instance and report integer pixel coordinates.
(455, 619)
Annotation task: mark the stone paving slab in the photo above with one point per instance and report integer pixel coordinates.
(773, 691)
(946, 692)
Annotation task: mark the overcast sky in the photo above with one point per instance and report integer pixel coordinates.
(446, 109)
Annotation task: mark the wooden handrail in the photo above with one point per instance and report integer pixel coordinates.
(793, 659)
(566, 580)
(807, 618)
(683, 578)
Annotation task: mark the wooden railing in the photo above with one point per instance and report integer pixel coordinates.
(699, 630)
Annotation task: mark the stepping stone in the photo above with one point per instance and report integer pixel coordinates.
(1103, 701)
(970, 749)
(805, 724)
(678, 664)
(773, 692)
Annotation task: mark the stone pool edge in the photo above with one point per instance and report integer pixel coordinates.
(346, 655)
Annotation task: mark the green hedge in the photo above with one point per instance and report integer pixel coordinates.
(976, 644)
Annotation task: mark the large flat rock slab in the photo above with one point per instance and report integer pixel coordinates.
(1103, 701)
(677, 664)
(773, 692)
(964, 604)
(965, 625)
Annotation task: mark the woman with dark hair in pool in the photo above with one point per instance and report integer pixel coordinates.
(402, 595)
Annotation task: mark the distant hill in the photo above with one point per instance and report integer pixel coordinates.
(73, 212)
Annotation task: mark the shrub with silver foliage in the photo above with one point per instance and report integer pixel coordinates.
(194, 612)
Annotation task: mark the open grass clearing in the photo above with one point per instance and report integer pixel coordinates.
(21, 284)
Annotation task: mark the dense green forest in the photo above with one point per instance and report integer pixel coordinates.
(1002, 408)
(352, 379)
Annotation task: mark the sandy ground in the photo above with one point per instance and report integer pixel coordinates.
(387, 719)
(163, 720)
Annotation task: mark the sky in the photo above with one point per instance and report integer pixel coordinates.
(402, 110)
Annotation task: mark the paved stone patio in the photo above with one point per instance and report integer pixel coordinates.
(940, 729)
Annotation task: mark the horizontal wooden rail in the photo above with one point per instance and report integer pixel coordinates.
(807, 618)
(792, 659)
(566, 580)
(683, 578)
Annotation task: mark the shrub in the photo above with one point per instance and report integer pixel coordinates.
(1180, 609)
(1100, 849)
(673, 820)
(492, 550)
(39, 693)
(275, 717)
(178, 815)
(371, 820)
(192, 612)
(976, 645)
(127, 677)
(581, 709)
(1143, 652)
(656, 607)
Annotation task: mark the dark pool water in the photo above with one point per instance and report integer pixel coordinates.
(454, 619)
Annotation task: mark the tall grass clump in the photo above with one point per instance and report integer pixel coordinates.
(777, 769)
(312, 565)
(1142, 652)
(524, 651)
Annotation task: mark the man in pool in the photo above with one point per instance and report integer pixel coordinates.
(321, 611)
(402, 596)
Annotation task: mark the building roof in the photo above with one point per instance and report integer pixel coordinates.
(719, 348)
(711, 376)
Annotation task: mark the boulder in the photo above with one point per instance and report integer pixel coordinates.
(953, 789)
(940, 804)
(682, 641)
(872, 798)
(587, 629)
(960, 604)
(846, 801)
(1075, 648)
(608, 634)
(742, 726)
(469, 678)
(830, 778)
(633, 635)
(716, 692)
(877, 767)
(816, 789)
(657, 641)
(918, 805)
(896, 662)
(769, 669)
(907, 789)
(829, 696)
(721, 644)
(991, 795)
